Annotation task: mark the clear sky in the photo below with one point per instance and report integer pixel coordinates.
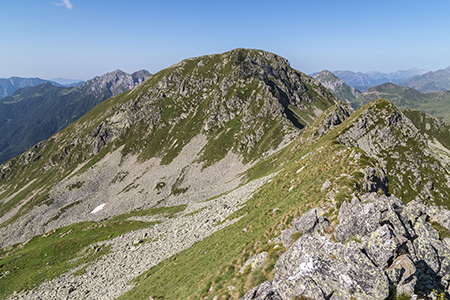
(79, 39)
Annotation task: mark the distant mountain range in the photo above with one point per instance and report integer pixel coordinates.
(363, 81)
(436, 103)
(68, 82)
(9, 85)
(34, 113)
(430, 82)
(418, 79)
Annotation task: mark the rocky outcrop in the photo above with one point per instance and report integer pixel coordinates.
(386, 134)
(331, 118)
(381, 246)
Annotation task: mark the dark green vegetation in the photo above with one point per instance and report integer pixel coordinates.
(33, 114)
(436, 103)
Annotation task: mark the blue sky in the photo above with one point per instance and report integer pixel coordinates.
(80, 39)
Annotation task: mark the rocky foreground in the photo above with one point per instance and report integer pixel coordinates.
(381, 246)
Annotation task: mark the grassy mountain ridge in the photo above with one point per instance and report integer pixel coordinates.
(248, 102)
(145, 123)
(165, 191)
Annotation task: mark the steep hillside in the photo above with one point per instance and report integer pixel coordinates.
(33, 114)
(329, 223)
(434, 130)
(430, 82)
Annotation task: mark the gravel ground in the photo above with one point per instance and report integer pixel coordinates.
(108, 277)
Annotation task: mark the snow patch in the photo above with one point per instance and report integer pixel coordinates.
(98, 208)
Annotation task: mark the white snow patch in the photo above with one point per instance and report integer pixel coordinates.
(98, 208)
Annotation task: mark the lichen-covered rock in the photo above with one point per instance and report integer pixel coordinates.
(357, 219)
(309, 222)
(255, 262)
(382, 245)
(315, 267)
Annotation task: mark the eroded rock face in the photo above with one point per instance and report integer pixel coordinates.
(380, 245)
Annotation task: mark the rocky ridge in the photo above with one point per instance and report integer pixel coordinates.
(113, 83)
(385, 133)
(380, 247)
(376, 247)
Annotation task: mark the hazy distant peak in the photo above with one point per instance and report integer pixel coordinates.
(430, 81)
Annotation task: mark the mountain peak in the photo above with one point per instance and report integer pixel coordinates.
(337, 86)
(114, 82)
